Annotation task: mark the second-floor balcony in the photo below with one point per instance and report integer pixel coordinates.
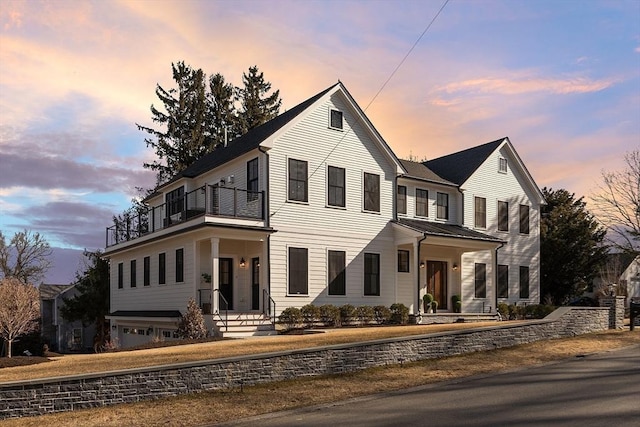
(207, 200)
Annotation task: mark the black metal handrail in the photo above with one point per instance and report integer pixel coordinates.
(226, 309)
(268, 306)
(208, 199)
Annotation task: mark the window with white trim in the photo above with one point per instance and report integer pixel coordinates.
(422, 202)
(298, 271)
(480, 212)
(371, 192)
(443, 206)
(502, 165)
(336, 186)
(371, 274)
(298, 184)
(401, 199)
(503, 216)
(335, 119)
(336, 269)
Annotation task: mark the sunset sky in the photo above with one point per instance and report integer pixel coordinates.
(561, 79)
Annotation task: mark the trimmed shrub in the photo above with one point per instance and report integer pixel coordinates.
(399, 314)
(310, 315)
(381, 314)
(347, 314)
(503, 309)
(434, 305)
(365, 314)
(456, 304)
(427, 300)
(290, 317)
(191, 325)
(330, 315)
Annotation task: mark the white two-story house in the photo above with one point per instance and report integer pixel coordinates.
(314, 207)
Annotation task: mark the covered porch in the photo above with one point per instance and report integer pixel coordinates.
(445, 260)
(232, 278)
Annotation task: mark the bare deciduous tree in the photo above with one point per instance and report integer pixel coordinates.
(19, 310)
(617, 204)
(25, 258)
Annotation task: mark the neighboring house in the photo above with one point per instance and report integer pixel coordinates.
(60, 335)
(313, 207)
(630, 280)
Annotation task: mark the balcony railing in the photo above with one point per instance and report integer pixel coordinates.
(206, 200)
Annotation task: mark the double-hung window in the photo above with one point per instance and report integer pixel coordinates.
(335, 119)
(443, 206)
(422, 202)
(481, 212)
(133, 273)
(179, 265)
(524, 282)
(371, 192)
(120, 275)
(401, 199)
(503, 216)
(298, 184)
(371, 274)
(162, 268)
(336, 186)
(524, 219)
(503, 281)
(403, 261)
(480, 280)
(298, 271)
(147, 271)
(337, 279)
(252, 180)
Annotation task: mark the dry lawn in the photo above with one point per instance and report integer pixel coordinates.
(86, 363)
(221, 406)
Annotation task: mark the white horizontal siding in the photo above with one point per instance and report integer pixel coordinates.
(170, 296)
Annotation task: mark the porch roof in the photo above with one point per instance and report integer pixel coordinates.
(445, 230)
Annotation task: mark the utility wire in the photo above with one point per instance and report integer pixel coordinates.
(395, 70)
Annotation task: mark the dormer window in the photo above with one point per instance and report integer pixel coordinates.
(502, 165)
(335, 119)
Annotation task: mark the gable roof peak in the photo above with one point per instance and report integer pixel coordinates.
(459, 166)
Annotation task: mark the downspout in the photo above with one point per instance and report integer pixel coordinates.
(495, 269)
(267, 218)
(461, 206)
(424, 237)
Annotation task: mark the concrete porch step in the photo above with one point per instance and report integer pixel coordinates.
(239, 325)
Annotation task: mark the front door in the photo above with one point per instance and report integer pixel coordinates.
(255, 283)
(437, 282)
(226, 283)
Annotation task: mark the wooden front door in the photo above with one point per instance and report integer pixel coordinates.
(255, 283)
(226, 283)
(437, 282)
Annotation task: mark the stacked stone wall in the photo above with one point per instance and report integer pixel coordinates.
(37, 397)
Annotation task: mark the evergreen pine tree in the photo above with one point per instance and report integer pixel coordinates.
(571, 247)
(222, 116)
(184, 138)
(257, 106)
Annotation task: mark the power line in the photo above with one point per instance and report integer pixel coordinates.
(395, 70)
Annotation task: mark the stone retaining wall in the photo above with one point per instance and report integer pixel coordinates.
(36, 397)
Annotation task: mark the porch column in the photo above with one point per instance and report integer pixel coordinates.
(264, 274)
(494, 279)
(215, 274)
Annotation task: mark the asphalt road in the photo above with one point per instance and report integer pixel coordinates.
(594, 390)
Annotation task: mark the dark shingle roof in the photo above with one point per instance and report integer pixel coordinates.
(445, 230)
(51, 291)
(247, 142)
(146, 313)
(458, 167)
(421, 171)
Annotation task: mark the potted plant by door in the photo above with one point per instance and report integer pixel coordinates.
(427, 299)
(434, 306)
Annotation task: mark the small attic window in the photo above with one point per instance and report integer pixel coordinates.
(502, 165)
(335, 119)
